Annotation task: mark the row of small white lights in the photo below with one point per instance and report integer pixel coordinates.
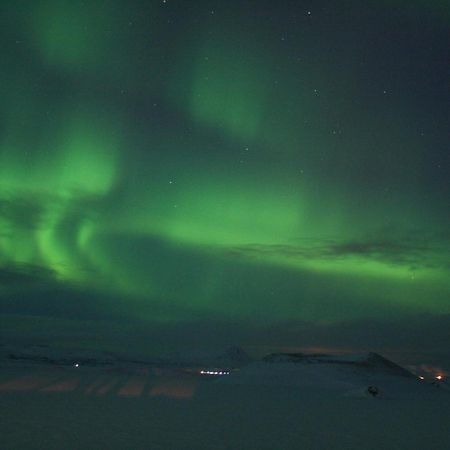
(214, 372)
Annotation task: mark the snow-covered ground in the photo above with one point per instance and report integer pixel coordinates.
(280, 403)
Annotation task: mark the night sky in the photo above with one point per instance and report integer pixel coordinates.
(182, 174)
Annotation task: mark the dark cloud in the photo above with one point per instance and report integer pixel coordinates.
(25, 275)
(414, 252)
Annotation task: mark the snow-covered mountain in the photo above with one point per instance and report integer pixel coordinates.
(232, 357)
(371, 361)
(356, 375)
(44, 354)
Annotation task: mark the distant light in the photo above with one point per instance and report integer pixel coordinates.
(439, 377)
(422, 378)
(76, 365)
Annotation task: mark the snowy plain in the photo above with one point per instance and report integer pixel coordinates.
(275, 404)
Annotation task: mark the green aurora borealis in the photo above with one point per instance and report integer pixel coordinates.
(241, 162)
